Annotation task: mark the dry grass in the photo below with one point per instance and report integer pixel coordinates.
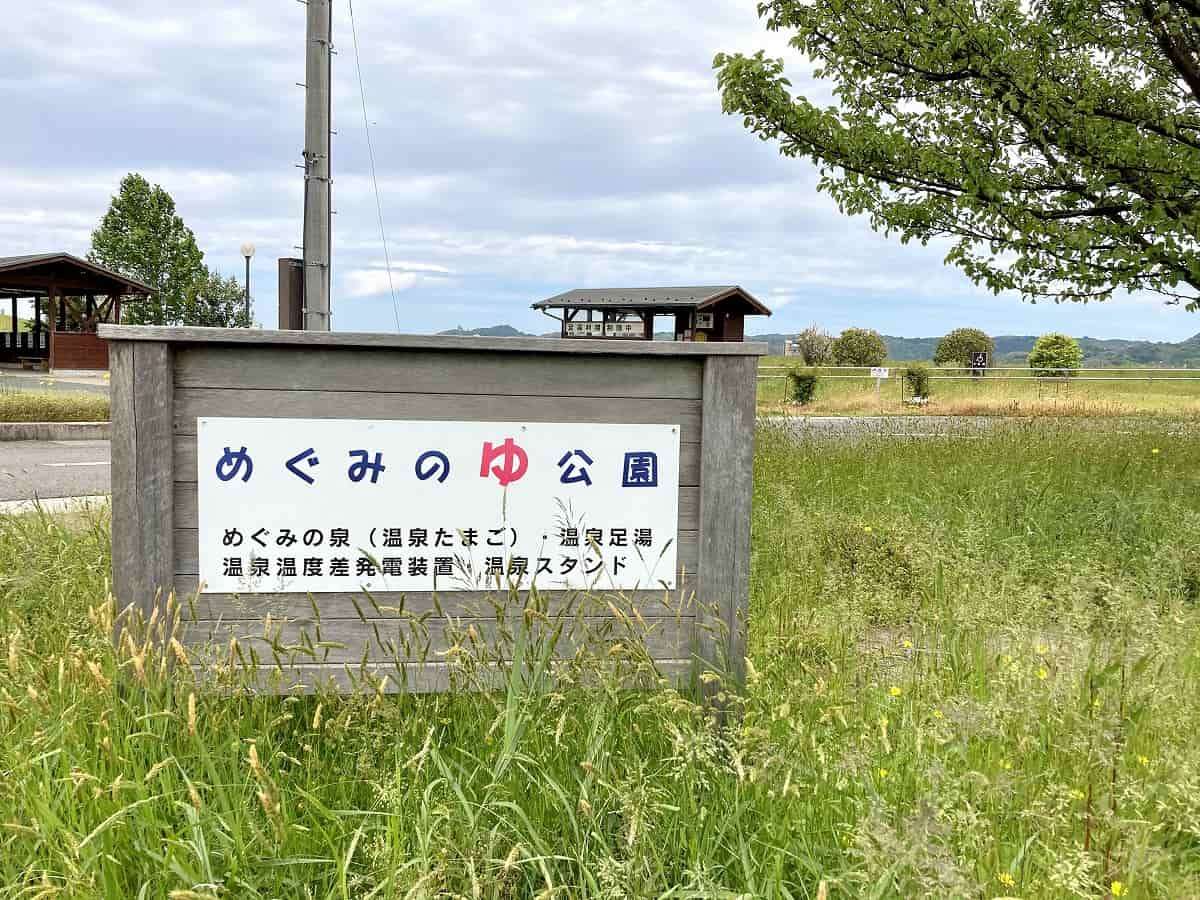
(52, 406)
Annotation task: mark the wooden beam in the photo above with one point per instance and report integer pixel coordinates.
(143, 553)
(726, 490)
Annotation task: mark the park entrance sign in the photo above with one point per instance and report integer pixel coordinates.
(320, 492)
(326, 505)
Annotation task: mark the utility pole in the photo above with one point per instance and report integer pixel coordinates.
(317, 170)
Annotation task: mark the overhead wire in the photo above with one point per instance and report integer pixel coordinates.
(362, 93)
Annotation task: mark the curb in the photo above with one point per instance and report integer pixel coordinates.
(53, 505)
(54, 431)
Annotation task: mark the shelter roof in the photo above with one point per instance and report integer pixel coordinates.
(34, 274)
(668, 299)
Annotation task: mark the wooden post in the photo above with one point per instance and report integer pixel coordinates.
(143, 552)
(15, 330)
(726, 489)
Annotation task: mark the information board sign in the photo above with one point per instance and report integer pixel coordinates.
(335, 505)
(879, 372)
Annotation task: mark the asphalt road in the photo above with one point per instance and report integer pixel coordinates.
(44, 469)
(21, 380)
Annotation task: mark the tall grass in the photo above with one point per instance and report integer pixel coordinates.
(974, 664)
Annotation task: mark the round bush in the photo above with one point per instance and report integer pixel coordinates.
(1055, 355)
(955, 348)
(859, 347)
(802, 386)
(917, 379)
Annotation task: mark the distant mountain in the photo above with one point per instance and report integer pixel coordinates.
(493, 331)
(1011, 349)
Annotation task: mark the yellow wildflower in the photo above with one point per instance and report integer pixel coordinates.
(937, 714)
(1005, 879)
(1042, 673)
(895, 691)
(1143, 760)
(1119, 889)
(867, 529)
(1155, 453)
(908, 645)
(883, 773)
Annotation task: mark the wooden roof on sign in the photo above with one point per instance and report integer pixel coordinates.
(667, 299)
(33, 275)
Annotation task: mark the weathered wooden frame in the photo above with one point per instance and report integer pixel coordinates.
(163, 378)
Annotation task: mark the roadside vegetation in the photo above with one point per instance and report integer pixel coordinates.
(51, 406)
(974, 671)
(1120, 393)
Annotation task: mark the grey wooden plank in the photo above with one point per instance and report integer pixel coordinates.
(435, 640)
(384, 605)
(187, 513)
(186, 468)
(434, 372)
(129, 576)
(187, 551)
(425, 342)
(191, 403)
(143, 475)
(726, 493)
(423, 678)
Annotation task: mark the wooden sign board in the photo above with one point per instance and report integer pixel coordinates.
(242, 457)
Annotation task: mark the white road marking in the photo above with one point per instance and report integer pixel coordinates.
(72, 465)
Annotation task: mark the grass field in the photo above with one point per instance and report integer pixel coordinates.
(974, 674)
(1120, 393)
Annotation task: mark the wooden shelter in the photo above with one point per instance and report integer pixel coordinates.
(713, 313)
(71, 297)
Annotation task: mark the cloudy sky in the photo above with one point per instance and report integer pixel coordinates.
(523, 149)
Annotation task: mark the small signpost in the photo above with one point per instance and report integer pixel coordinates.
(880, 374)
(979, 362)
(325, 491)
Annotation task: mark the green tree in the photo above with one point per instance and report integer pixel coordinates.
(957, 346)
(1057, 142)
(143, 237)
(217, 302)
(814, 345)
(1055, 355)
(859, 347)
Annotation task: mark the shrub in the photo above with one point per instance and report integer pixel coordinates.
(957, 346)
(46, 406)
(859, 347)
(802, 386)
(1056, 355)
(814, 346)
(917, 379)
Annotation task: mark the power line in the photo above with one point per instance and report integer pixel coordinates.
(362, 93)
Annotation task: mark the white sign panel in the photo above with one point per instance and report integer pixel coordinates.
(879, 373)
(585, 329)
(625, 329)
(324, 505)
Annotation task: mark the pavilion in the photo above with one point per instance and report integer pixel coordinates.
(713, 313)
(76, 296)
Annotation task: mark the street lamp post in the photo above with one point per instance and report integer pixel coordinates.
(248, 252)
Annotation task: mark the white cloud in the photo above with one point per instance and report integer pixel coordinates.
(373, 282)
(521, 150)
